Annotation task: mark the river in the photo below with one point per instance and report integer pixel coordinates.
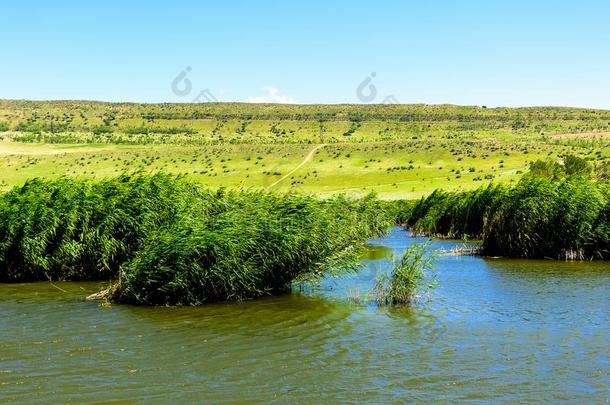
(498, 330)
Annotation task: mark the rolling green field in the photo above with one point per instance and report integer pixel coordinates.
(397, 151)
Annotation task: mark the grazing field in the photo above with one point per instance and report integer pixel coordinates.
(397, 151)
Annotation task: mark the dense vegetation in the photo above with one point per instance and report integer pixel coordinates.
(168, 241)
(204, 123)
(562, 213)
(72, 111)
(186, 239)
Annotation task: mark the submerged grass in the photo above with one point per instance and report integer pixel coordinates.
(168, 241)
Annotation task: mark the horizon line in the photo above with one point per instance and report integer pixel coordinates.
(481, 106)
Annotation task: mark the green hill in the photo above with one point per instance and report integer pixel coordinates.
(399, 151)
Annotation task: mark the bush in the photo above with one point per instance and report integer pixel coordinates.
(575, 166)
(545, 168)
(550, 169)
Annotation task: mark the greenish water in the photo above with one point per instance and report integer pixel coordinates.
(492, 331)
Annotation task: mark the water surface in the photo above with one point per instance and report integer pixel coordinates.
(493, 330)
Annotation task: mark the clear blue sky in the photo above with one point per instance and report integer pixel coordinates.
(495, 53)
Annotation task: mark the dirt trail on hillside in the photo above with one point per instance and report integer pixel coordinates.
(309, 156)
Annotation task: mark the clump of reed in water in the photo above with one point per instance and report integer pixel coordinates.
(168, 241)
(568, 219)
(407, 278)
(560, 218)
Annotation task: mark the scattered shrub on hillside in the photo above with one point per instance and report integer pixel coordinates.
(576, 166)
(551, 169)
(545, 168)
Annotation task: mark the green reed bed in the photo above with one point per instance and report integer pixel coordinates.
(167, 241)
(567, 219)
(454, 215)
(562, 218)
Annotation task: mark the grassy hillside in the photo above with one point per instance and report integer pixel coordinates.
(398, 151)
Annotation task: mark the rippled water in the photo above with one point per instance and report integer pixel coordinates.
(493, 330)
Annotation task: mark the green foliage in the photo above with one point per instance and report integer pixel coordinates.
(244, 245)
(172, 242)
(38, 127)
(454, 215)
(576, 166)
(545, 168)
(537, 218)
(158, 130)
(399, 151)
(70, 229)
(571, 166)
(602, 171)
(407, 277)
(400, 210)
(103, 129)
(345, 121)
(541, 218)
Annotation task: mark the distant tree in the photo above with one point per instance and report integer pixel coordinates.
(571, 166)
(545, 168)
(575, 166)
(602, 170)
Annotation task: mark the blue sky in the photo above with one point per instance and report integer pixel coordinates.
(495, 53)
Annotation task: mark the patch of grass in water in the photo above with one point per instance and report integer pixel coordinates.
(408, 278)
